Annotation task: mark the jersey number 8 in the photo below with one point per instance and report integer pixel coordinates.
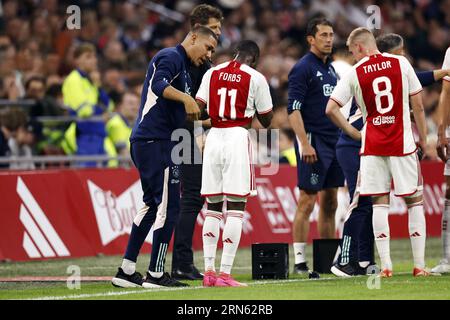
(380, 93)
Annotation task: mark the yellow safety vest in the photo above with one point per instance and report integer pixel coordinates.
(119, 131)
(290, 156)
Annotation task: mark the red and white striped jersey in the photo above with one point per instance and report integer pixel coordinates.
(232, 93)
(382, 85)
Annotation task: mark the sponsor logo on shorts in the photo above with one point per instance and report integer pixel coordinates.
(314, 178)
(377, 121)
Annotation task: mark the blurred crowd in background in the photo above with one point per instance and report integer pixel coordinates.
(37, 53)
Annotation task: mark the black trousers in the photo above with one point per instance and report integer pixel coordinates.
(191, 204)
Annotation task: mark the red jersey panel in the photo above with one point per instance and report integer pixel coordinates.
(381, 84)
(228, 95)
(233, 92)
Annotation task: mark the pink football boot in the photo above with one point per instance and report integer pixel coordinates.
(209, 278)
(225, 280)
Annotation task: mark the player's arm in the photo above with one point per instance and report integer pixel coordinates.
(444, 113)
(342, 94)
(333, 112)
(263, 101)
(202, 97)
(204, 114)
(166, 69)
(415, 97)
(297, 88)
(439, 74)
(419, 116)
(265, 118)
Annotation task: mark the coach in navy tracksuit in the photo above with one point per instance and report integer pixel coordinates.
(357, 237)
(191, 173)
(165, 101)
(310, 84)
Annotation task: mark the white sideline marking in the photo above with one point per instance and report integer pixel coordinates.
(140, 291)
(115, 293)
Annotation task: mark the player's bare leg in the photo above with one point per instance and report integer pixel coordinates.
(444, 264)
(417, 232)
(300, 228)
(381, 232)
(327, 212)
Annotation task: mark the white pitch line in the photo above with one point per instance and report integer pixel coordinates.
(115, 293)
(122, 293)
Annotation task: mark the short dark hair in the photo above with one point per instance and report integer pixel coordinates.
(204, 31)
(202, 13)
(82, 48)
(12, 118)
(389, 41)
(34, 78)
(247, 48)
(312, 29)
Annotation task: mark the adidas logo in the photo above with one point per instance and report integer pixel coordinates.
(319, 74)
(382, 236)
(40, 238)
(227, 240)
(444, 225)
(415, 234)
(299, 253)
(209, 234)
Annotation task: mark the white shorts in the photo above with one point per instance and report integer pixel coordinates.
(228, 163)
(377, 173)
(447, 164)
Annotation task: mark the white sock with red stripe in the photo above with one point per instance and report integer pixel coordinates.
(210, 235)
(382, 234)
(417, 234)
(446, 230)
(230, 238)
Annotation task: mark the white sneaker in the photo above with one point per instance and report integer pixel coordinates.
(442, 267)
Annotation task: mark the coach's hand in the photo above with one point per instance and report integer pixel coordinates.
(191, 107)
(308, 153)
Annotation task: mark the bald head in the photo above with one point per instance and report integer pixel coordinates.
(361, 42)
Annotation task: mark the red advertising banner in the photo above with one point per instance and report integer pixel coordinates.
(76, 213)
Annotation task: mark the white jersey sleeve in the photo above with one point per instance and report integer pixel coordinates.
(343, 92)
(414, 85)
(203, 91)
(263, 100)
(446, 64)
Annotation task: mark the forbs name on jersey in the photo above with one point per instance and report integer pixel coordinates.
(231, 77)
(378, 121)
(377, 66)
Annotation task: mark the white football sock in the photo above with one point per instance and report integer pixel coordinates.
(382, 234)
(128, 266)
(210, 235)
(299, 252)
(446, 230)
(156, 274)
(417, 234)
(230, 239)
(364, 264)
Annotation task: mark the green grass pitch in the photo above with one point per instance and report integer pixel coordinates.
(402, 286)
